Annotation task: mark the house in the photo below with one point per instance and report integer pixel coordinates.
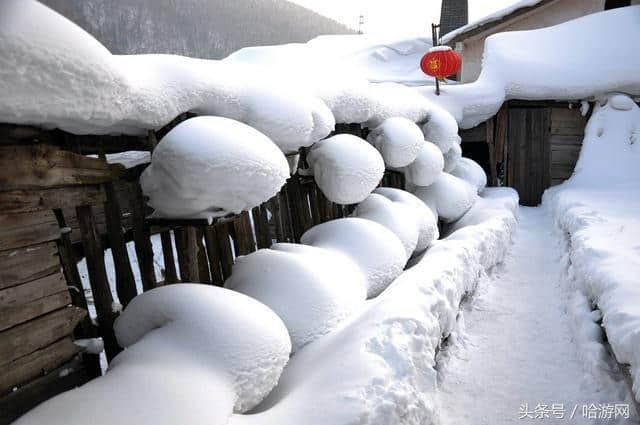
(528, 145)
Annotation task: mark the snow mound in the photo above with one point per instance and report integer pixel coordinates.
(597, 211)
(398, 140)
(427, 166)
(374, 248)
(397, 217)
(346, 168)
(67, 79)
(450, 196)
(471, 172)
(379, 367)
(209, 166)
(490, 202)
(194, 354)
(311, 289)
(441, 128)
(451, 158)
(426, 221)
(548, 69)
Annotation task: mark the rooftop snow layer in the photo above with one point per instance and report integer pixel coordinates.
(575, 60)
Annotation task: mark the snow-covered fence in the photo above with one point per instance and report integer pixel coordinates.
(58, 205)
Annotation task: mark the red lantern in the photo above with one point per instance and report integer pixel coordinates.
(441, 62)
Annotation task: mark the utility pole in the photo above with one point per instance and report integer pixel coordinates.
(360, 23)
(434, 37)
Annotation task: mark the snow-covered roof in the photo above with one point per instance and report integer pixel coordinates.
(569, 61)
(492, 19)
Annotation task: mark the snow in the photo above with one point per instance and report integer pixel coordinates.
(439, 49)
(379, 367)
(194, 354)
(471, 172)
(492, 17)
(210, 166)
(311, 289)
(451, 158)
(374, 248)
(441, 128)
(67, 79)
(395, 216)
(541, 64)
(427, 166)
(398, 140)
(346, 168)
(450, 196)
(426, 221)
(597, 212)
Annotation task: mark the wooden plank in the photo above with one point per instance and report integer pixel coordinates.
(142, 240)
(186, 246)
(39, 166)
(25, 264)
(501, 127)
(201, 254)
(490, 138)
(565, 156)
(561, 171)
(475, 134)
(30, 336)
(28, 396)
(224, 248)
(27, 292)
(170, 272)
(125, 282)
(24, 229)
(14, 315)
(17, 201)
(243, 235)
(103, 300)
(276, 218)
(213, 253)
(557, 139)
(40, 362)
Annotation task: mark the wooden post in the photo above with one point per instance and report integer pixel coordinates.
(314, 205)
(170, 273)
(102, 297)
(141, 238)
(187, 253)
(125, 282)
(224, 247)
(434, 37)
(492, 157)
(213, 252)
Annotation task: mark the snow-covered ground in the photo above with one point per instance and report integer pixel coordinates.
(514, 358)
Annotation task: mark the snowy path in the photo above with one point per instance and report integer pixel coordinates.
(517, 345)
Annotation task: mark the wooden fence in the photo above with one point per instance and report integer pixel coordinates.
(58, 206)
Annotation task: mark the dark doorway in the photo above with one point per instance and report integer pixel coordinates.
(474, 145)
(529, 153)
(613, 4)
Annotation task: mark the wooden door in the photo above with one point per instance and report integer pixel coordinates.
(528, 156)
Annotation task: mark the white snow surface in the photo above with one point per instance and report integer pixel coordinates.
(346, 168)
(450, 196)
(542, 64)
(597, 210)
(54, 74)
(471, 172)
(398, 140)
(210, 166)
(427, 166)
(451, 158)
(441, 128)
(311, 289)
(395, 216)
(194, 354)
(378, 368)
(425, 219)
(374, 248)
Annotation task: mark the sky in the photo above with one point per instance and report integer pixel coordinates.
(395, 17)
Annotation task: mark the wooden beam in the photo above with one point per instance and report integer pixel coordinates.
(170, 272)
(493, 179)
(20, 313)
(141, 238)
(28, 200)
(22, 265)
(27, 292)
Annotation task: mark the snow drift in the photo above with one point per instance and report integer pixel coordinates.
(397, 217)
(54, 74)
(398, 140)
(194, 354)
(210, 166)
(311, 289)
(449, 196)
(378, 368)
(426, 221)
(346, 168)
(597, 210)
(471, 172)
(374, 248)
(427, 166)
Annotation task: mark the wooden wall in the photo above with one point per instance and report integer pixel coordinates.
(567, 133)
